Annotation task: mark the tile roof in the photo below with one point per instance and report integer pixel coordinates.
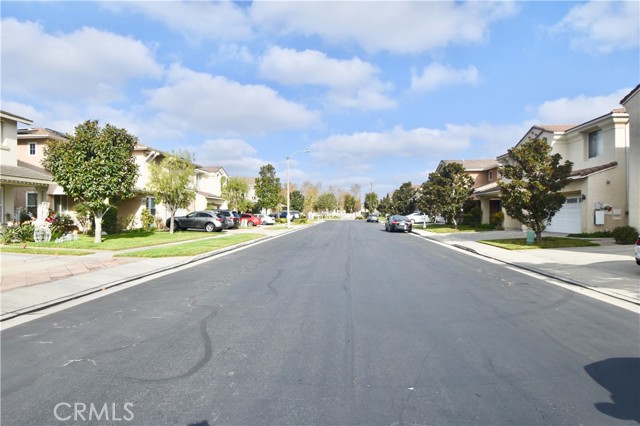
(489, 188)
(475, 165)
(210, 169)
(554, 127)
(630, 94)
(582, 173)
(24, 175)
(40, 132)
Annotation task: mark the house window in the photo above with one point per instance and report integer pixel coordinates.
(490, 174)
(151, 205)
(60, 203)
(32, 203)
(596, 144)
(32, 148)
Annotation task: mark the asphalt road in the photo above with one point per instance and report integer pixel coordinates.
(338, 324)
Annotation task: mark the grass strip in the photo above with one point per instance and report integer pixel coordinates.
(546, 243)
(192, 248)
(127, 240)
(47, 251)
(448, 229)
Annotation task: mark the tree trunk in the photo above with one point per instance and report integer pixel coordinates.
(98, 221)
(173, 214)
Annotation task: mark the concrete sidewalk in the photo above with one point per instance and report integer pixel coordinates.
(609, 268)
(33, 282)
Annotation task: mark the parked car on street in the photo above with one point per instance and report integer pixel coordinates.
(398, 223)
(233, 215)
(637, 248)
(373, 218)
(207, 220)
(251, 219)
(418, 217)
(266, 219)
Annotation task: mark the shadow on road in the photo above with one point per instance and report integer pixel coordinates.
(621, 377)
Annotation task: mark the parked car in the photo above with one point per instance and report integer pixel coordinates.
(227, 221)
(252, 220)
(418, 217)
(266, 219)
(235, 217)
(283, 215)
(398, 223)
(206, 220)
(373, 218)
(637, 248)
(295, 214)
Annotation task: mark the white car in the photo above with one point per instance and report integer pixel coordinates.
(418, 217)
(637, 248)
(266, 219)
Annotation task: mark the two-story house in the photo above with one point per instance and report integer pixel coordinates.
(631, 103)
(18, 180)
(597, 196)
(485, 177)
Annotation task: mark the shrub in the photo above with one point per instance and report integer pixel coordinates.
(110, 223)
(20, 233)
(497, 219)
(84, 217)
(147, 220)
(625, 234)
(61, 224)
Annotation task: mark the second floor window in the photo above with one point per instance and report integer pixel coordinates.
(490, 174)
(596, 144)
(32, 148)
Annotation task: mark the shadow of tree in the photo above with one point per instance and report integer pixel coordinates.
(621, 377)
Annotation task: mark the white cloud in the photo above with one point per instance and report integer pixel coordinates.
(602, 26)
(437, 75)
(236, 156)
(579, 109)
(400, 27)
(352, 83)
(194, 20)
(215, 104)
(87, 64)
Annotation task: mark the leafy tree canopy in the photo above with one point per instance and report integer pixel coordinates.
(349, 203)
(445, 192)
(532, 184)
(404, 199)
(297, 201)
(95, 165)
(327, 202)
(170, 182)
(371, 201)
(235, 192)
(386, 205)
(268, 187)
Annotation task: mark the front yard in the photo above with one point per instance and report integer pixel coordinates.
(546, 243)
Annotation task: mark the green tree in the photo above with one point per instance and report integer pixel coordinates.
(96, 166)
(268, 188)
(371, 201)
(170, 182)
(404, 199)
(311, 192)
(533, 180)
(349, 203)
(445, 192)
(297, 201)
(235, 192)
(386, 205)
(327, 202)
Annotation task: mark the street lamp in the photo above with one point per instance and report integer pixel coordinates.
(306, 150)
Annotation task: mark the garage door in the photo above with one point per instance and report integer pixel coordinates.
(568, 219)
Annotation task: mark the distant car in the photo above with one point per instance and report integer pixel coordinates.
(373, 218)
(252, 220)
(206, 220)
(283, 215)
(266, 219)
(295, 214)
(418, 217)
(398, 223)
(637, 248)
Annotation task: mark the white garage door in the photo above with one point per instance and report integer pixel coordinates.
(568, 218)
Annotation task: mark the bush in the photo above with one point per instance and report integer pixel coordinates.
(147, 220)
(20, 233)
(110, 223)
(625, 234)
(61, 224)
(497, 219)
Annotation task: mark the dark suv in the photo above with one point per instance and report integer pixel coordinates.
(233, 215)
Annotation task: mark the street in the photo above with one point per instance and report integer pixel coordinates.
(338, 324)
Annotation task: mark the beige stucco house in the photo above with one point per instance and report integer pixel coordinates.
(597, 197)
(631, 103)
(16, 176)
(209, 183)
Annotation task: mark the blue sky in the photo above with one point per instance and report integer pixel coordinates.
(380, 92)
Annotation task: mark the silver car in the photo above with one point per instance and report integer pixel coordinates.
(398, 223)
(207, 220)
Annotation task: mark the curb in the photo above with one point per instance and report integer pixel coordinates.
(35, 308)
(547, 274)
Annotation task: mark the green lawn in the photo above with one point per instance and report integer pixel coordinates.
(193, 248)
(127, 240)
(546, 243)
(17, 248)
